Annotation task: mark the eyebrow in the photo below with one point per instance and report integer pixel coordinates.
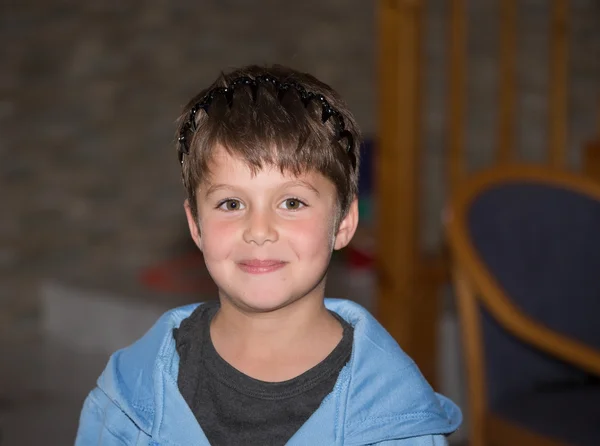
(217, 187)
(302, 183)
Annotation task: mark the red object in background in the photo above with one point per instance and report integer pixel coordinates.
(182, 275)
(360, 253)
(359, 259)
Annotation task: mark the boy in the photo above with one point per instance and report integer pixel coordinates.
(270, 160)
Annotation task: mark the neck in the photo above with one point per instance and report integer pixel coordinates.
(275, 345)
(270, 330)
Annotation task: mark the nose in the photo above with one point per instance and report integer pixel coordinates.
(260, 227)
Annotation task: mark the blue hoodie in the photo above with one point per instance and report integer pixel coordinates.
(380, 397)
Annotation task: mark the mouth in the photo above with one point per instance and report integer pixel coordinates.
(255, 266)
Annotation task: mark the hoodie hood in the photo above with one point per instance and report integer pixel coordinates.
(380, 394)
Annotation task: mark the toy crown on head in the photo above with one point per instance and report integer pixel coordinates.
(328, 112)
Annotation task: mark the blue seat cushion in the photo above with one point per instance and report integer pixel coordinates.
(541, 243)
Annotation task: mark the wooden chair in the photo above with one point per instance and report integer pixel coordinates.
(525, 247)
(409, 275)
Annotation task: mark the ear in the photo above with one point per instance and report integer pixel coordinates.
(347, 227)
(192, 224)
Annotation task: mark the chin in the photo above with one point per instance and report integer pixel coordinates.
(262, 301)
(255, 294)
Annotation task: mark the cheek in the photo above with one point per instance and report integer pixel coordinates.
(311, 238)
(218, 237)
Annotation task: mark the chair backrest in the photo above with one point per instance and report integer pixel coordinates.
(537, 234)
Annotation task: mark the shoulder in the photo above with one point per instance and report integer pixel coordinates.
(154, 345)
(368, 332)
(129, 377)
(387, 394)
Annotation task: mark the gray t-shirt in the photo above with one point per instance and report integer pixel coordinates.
(235, 409)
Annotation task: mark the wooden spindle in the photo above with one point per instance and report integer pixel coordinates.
(559, 62)
(591, 154)
(457, 94)
(507, 90)
(410, 318)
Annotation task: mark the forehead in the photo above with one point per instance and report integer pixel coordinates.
(226, 167)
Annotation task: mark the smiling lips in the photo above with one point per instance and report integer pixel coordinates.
(255, 266)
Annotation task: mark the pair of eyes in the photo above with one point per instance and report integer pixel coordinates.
(231, 204)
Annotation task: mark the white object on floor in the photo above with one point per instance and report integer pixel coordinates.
(92, 321)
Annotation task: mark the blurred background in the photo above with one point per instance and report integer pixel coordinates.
(93, 240)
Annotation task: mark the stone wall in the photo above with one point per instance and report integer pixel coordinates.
(89, 92)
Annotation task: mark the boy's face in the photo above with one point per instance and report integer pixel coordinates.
(267, 238)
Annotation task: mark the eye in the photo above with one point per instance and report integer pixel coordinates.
(292, 204)
(230, 205)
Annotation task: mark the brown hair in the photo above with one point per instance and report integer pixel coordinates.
(263, 126)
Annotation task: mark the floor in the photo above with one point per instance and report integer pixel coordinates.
(44, 384)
